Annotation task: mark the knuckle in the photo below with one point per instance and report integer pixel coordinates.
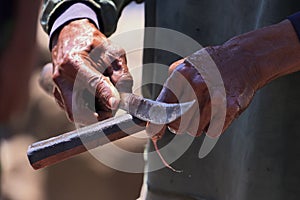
(103, 88)
(117, 51)
(121, 51)
(174, 65)
(70, 58)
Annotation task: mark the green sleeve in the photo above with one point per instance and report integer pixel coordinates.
(108, 12)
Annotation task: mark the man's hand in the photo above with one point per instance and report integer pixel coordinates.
(246, 63)
(82, 54)
(186, 83)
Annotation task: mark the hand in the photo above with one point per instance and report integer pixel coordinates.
(235, 89)
(246, 63)
(82, 54)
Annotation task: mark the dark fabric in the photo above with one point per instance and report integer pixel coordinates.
(6, 10)
(258, 157)
(295, 20)
(74, 12)
(108, 12)
(6, 22)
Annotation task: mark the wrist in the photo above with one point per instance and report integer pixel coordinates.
(75, 12)
(74, 28)
(280, 52)
(295, 21)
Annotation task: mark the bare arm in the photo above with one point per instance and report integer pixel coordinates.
(275, 50)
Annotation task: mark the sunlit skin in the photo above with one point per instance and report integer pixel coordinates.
(81, 51)
(246, 63)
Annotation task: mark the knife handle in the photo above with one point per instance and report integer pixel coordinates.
(62, 147)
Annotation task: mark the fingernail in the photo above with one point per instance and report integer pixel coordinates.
(113, 102)
(172, 130)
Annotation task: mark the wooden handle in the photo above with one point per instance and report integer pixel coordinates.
(56, 149)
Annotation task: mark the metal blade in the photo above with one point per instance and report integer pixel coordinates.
(153, 111)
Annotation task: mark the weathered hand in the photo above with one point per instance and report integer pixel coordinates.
(196, 77)
(82, 54)
(244, 63)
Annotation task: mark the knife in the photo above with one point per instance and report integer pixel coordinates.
(64, 146)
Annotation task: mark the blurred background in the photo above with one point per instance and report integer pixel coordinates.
(28, 114)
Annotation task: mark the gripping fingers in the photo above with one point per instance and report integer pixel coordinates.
(89, 79)
(63, 94)
(169, 94)
(200, 120)
(98, 84)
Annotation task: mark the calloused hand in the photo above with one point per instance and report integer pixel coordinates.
(222, 77)
(83, 57)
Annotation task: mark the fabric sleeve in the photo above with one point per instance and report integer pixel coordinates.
(76, 11)
(295, 20)
(107, 12)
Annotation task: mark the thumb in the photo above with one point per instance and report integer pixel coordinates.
(106, 94)
(174, 65)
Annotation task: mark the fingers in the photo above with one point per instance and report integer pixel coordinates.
(105, 92)
(195, 121)
(174, 65)
(107, 65)
(181, 125)
(104, 54)
(201, 119)
(90, 102)
(156, 131)
(82, 58)
(107, 97)
(121, 77)
(63, 96)
(91, 79)
(169, 94)
(185, 84)
(80, 105)
(110, 60)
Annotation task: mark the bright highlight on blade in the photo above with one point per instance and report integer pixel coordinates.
(161, 113)
(153, 111)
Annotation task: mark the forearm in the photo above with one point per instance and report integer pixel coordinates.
(275, 50)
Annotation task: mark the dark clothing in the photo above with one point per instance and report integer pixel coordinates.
(6, 22)
(258, 156)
